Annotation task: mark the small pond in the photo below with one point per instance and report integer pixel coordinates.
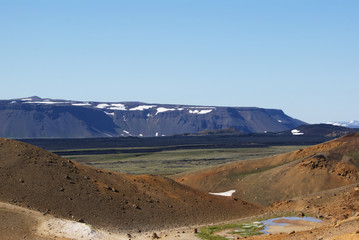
(273, 225)
(287, 224)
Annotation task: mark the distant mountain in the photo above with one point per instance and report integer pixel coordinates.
(320, 130)
(35, 117)
(350, 124)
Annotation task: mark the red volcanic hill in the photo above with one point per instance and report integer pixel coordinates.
(313, 169)
(34, 178)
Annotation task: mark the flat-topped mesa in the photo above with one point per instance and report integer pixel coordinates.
(35, 117)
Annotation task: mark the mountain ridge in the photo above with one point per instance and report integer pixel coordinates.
(350, 124)
(36, 117)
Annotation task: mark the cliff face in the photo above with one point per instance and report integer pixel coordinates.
(35, 117)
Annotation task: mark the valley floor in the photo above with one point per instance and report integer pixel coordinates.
(339, 209)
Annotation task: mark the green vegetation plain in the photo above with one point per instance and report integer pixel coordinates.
(168, 162)
(242, 229)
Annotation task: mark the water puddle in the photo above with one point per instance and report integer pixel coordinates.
(273, 225)
(289, 224)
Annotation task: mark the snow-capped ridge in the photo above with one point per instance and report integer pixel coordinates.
(142, 107)
(350, 124)
(94, 119)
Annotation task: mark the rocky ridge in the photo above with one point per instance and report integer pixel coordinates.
(35, 117)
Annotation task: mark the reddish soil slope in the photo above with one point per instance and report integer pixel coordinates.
(39, 180)
(305, 171)
(338, 208)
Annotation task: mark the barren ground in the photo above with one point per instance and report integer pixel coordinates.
(44, 197)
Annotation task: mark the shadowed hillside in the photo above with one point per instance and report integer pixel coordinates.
(34, 178)
(35, 117)
(309, 170)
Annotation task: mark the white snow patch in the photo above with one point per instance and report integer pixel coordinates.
(26, 99)
(162, 109)
(226, 194)
(110, 113)
(296, 132)
(81, 104)
(117, 106)
(142, 107)
(140, 135)
(47, 102)
(156, 134)
(126, 132)
(200, 111)
(351, 123)
(69, 229)
(149, 115)
(335, 123)
(205, 111)
(280, 121)
(102, 105)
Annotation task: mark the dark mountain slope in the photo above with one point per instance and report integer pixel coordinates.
(39, 118)
(25, 120)
(322, 130)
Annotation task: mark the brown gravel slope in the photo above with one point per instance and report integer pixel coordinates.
(39, 180)
(321, 167)
(338, 208)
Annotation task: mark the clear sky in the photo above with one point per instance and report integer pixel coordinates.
(301, 56)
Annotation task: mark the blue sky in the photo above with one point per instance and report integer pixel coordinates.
(301, 56)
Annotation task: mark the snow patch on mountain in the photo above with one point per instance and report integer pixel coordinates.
(81, 104)
(205, 111)
(296, 132)
(142, 107)
(117, 106)
(162, 109)
(350, 124)
(102, 105)
(47, 102)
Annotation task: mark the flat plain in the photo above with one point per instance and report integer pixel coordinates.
(168, 162)
(173, 154)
